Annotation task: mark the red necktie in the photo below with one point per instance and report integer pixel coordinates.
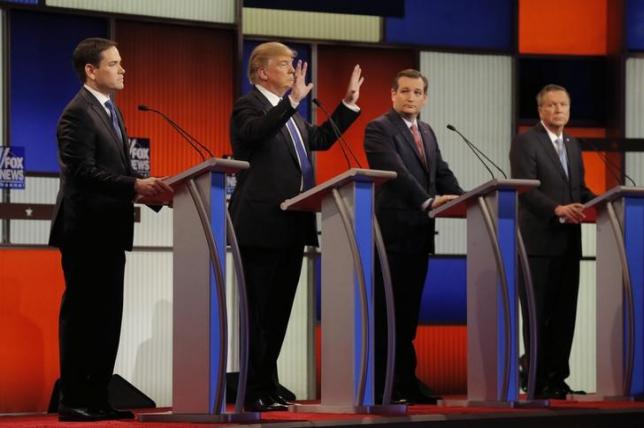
(419, 144)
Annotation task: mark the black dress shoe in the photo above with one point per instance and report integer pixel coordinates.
(420, 398)
(551, 392)
(569, 390)
(113, 413)
(281, 400)
(264, 404)
(80, 414)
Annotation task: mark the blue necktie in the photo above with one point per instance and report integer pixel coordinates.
(115, 121)
(561, 151)
(308, 180)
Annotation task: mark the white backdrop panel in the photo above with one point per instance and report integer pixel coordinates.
(473, 93)
(222, 11)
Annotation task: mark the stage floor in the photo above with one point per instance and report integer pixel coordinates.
(582, 414)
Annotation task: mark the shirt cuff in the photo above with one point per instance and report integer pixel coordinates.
(427, 205)
(353, 107)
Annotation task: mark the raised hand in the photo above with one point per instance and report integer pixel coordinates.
(353, 91)
(300, 88)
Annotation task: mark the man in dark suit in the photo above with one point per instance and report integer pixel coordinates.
(267, 131)
(549, 218)
(398, 141)
(92, 225)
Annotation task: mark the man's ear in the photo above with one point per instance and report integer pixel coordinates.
(261, 73)
(90, 71)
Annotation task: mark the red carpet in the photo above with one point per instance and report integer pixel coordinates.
(612, 414)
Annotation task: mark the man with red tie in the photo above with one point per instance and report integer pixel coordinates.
(398, 141)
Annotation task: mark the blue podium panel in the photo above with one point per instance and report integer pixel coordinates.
(634, 242)
(42, 78)
(507, 226)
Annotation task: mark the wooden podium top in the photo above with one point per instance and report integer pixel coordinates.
(311, 200)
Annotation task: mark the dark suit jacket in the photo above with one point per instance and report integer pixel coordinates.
(390, 145)
(533, 156)
(94, 204)
(259, 136)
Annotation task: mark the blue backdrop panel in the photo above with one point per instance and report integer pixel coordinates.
(456, 23)
(444, 300)
(21, 1)
(42, 78)
(303, 53)
(635, 25)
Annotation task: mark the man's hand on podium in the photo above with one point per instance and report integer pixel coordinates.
(571, 213)
(152, 191)
(442, 199)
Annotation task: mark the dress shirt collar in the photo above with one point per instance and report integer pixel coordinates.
(553, 137)
(271, 97)
(408, 122)
(101, 97)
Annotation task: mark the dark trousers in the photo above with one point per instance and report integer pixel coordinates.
(408, 272)
(556, 284)
(272, 275)
(90, 323)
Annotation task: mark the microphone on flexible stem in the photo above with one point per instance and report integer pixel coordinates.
(186, 136)
(477, 152)
(612, 168)
(343, 144)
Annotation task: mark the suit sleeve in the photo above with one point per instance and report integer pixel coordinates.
(252, 125)
(322, 137)
(77, 153)
(523, 164)
(381, 154)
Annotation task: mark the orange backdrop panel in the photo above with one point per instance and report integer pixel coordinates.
(442, 358)
(185, 72)
(335, 64)
(31, 285)
(598, 177)
(569, 27)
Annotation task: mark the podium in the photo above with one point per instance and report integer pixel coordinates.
(620, 292)
(201, 230)
(349, 231)
(493, 244)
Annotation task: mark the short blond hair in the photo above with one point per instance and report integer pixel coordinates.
(263, 53)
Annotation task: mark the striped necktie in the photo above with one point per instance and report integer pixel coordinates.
(308, 180)
(115, 121)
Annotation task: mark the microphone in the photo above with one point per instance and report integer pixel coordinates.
(612, 168)
(186, 136)
(344, 146)
(478, 153)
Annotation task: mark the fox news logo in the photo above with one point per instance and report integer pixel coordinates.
(140, 156)
(12, 167)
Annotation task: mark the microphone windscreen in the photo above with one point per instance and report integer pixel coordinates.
(316, 102)
(451, 127)
(143, 107)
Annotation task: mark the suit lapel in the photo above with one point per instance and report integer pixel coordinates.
(286, 136)
(100, 112)
(550, 150)
(404, 130)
